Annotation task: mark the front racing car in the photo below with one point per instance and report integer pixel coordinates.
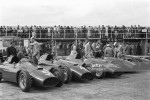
(25, 73)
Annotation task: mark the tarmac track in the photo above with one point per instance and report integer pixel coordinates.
(131, 86)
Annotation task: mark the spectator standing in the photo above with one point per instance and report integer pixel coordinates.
(29, 52)
(106, 32)
(49, 32)
(89, 32)
(36, 51)
(79, 50)
(108, 52)
(11, 50)
(20, 51)
(1, 56)
(139, 49)
(88, 50)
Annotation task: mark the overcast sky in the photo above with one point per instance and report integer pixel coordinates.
(74, 12)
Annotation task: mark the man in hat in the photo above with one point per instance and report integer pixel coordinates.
(36, 50)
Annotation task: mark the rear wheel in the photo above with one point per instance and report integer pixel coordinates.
(67, 74)
(58, 72)
(24, 80)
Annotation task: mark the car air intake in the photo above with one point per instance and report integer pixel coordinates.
(50, 82)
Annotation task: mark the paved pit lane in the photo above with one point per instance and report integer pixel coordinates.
(131, 86)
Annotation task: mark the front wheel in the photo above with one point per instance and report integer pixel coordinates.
(100, 74)
(24, 80)
(67, 73)
(58, 72)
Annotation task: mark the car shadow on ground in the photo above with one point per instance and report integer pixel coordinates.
(135, 72)
(65, 87)
(10, 83)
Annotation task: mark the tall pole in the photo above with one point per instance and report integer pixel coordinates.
(6, 31)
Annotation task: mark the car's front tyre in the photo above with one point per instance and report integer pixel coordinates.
(100, 74)
(58, 72)
(24, 81)
(67, 73)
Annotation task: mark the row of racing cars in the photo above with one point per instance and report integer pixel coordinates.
(55, 72)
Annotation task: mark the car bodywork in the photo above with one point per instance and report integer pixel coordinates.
(124, 64)
(97, 66)
(142, 62)
(39, 75)
(77, 71)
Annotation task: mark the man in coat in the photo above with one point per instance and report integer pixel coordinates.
(11, 50)
(36, 50)
(108, 52)
(88, 49)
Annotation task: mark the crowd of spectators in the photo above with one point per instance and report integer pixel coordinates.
(76, 32)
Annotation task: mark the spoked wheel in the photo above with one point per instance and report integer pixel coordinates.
(58, 72)
(100, 74)
(67, 74)
(24, 80)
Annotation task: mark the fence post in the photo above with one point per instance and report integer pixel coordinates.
(146, 33)
(6, 31)
(40, 33)
(29, 33)
(64, 33)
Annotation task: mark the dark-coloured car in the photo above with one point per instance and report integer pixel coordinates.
(25, 73)
(97, 66)
(70, 68)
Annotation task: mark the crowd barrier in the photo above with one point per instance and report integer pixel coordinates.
(75, 34)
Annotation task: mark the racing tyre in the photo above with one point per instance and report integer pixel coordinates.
(67, 74)
(58, 72)
(90, 70)
(0, 77)
(100, 74)
(24, 81)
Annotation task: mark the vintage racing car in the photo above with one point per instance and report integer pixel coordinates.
(98, 67)
(71, 69)
(142, 62)
(25, 73)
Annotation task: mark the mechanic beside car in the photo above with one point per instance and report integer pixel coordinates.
(11, 51)
(35, 50)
